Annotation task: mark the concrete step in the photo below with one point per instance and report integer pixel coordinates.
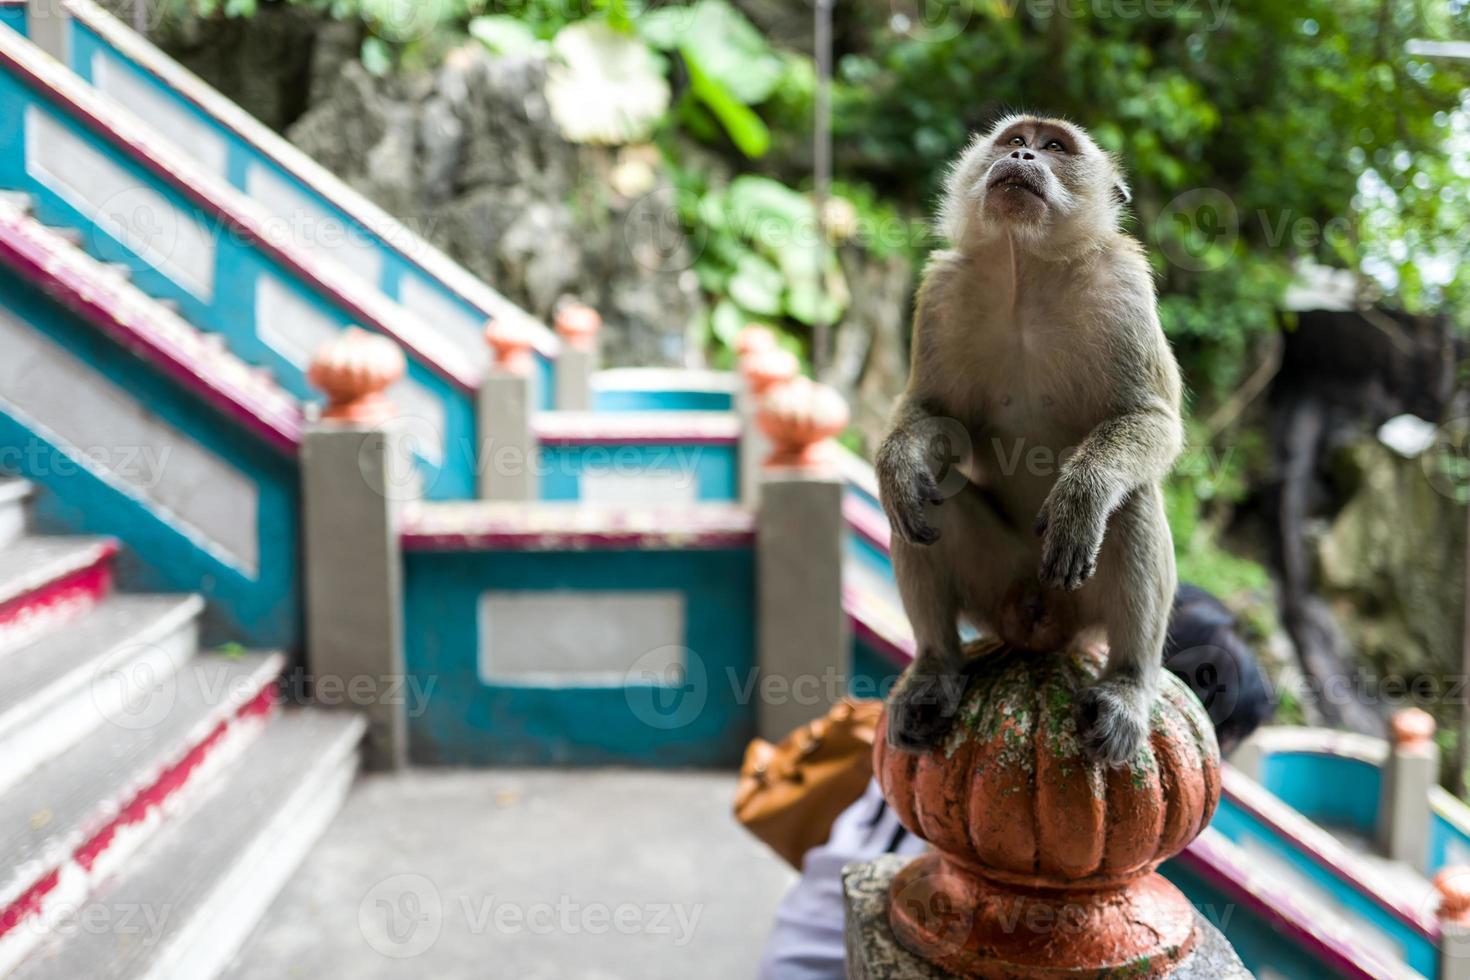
(91, 806)
(113, 665)
(72, 236)
(45, 581)
(13, 497)
(209, 877)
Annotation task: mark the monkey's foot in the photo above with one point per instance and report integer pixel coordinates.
(922, 709)
(1112, 720)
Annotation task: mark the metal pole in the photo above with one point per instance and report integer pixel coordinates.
(822, 172)
(1462, 743)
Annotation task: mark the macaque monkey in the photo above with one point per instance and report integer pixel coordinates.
(1040, 373)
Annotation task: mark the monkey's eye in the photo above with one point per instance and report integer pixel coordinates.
(1018, 141)
(1055, 145)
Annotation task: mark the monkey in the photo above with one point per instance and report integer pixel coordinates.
(1040, 371)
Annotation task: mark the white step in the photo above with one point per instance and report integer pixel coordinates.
(32, 563)
(47, 581)
(209, 877)
(72, 236)
(13, 497)
(71, 820)
(113, 665)
(19, 200)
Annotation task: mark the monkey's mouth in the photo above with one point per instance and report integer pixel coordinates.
(1015, 180)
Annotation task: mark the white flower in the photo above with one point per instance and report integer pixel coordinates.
(603, 86)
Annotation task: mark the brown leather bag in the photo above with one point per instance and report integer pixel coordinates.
(790, 794)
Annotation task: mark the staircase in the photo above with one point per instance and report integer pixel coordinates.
(153, 798)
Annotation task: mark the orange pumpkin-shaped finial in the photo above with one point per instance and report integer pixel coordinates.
(800, 417)
(1023, 821)
(354, 370)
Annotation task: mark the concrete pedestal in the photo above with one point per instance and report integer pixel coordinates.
(874, 954)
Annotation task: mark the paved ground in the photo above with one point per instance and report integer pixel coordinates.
(457, 875)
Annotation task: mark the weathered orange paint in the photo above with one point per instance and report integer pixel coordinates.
(1044, 861)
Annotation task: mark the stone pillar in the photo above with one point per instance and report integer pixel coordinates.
(804, 638)
(1453, 886)
(1409, 773)
(506, 464)
(48, 25)
(352, 484)
(763, 365)
(577, 325)
(1248, 757)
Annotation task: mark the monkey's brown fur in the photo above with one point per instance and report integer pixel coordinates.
(1040, 370)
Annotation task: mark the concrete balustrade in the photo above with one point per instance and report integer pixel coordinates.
(356, 472)
(1409, 773)
(804, 638)
(578, 325)
(508, 399)
(762, 364)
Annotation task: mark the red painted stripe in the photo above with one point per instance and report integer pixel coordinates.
(64, 596)
(868, 522)
(367, 306)
(170, 783)
(96, 300)
(387, 229)
(610, 540)
(1295, 924)
(1425, 926)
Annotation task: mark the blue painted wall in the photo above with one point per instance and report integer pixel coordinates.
(714, 469)
(231, 309)
(242, 156)
(1243, 828)
(262, 610)
(467, 722)
(659, 400)
(1325, 789)
(1259, 945)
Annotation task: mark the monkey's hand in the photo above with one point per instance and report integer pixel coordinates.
(905, 485)
(1071, 525)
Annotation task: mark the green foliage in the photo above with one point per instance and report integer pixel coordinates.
(1277, 110)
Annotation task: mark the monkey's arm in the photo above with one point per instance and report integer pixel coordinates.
(1131, 448)
(906, 481)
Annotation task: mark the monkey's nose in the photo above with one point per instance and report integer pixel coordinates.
(1018, 155)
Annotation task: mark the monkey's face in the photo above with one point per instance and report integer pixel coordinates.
(1039, 179)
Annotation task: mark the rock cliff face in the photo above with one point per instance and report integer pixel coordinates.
(1392, 565)
(469, 158)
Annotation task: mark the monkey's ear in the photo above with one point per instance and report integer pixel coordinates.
(1121, 194)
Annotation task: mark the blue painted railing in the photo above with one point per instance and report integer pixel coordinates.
(324, 215)
(256, 601)
(189, 238)
(701, 714)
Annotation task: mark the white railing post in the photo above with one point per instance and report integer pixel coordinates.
(356, 470)
(507, 459)
(804, 637)
(762, 365)
(1409, 772)
(578, 326)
